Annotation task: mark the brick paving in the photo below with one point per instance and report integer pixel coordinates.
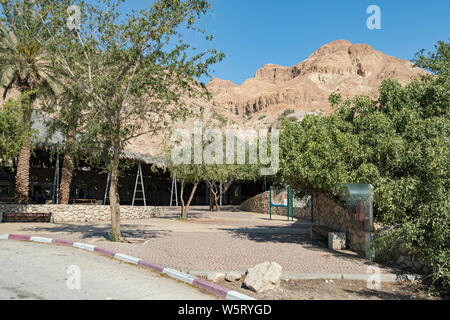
(225, 241)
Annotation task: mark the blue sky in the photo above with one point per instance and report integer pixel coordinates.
(255, 32)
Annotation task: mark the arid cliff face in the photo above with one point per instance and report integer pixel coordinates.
(340, 66)
(274, 91)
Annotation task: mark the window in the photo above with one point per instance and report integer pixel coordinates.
(5, 174)
(80, 192)
(45, 189)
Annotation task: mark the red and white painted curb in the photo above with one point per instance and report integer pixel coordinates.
(181, 276)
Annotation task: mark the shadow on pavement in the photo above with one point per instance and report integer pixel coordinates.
(298, 233)
(98, 231)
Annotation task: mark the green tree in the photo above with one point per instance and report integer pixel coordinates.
(187, 174)
(66, 109)
(437, 61)
(220, 177)
(134, 71)
(24, 66)
(400, 144)
(12, 129)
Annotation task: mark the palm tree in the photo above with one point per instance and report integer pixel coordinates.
(26, 68)
(66, 107)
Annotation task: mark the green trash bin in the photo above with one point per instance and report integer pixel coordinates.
(359, 199)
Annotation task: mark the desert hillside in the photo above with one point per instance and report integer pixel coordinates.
(276, 91)
(340, 66)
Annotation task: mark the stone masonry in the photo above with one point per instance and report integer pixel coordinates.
(329, 213)
(260, 204)
(83, 213)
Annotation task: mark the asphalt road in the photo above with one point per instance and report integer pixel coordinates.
(33, 271)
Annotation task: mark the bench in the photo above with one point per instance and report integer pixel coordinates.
(336, 240)
(27, 217)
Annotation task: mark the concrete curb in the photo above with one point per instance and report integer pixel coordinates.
(174, 274)
(384, 277)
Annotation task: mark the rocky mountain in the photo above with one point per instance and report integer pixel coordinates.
(340, 66)
(276, 91)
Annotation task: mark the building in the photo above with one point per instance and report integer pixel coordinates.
(90, 185)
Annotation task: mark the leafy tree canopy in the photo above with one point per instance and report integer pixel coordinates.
(400, 144)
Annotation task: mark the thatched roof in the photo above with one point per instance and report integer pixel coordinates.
(57, 139)
(160, 162)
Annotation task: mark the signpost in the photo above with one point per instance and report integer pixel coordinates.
(283, 199)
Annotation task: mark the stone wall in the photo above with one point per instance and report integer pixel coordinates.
(261, 204)
(403, 259)
(329, 213)
(332, 214)
(398, 256)
(83, 213)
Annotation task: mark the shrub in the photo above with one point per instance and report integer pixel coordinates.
(401, 145)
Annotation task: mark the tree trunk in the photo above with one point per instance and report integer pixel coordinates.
(214, 195)
(223, 191)
(216, 203)
(23, 173)
(185, 207)
(114, 198)
(194, 188)
(67, 170)
(23, 166)
(211, 198)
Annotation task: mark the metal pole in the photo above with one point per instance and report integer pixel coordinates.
(370, 230)
(56, 181)
(221, 198)
(292, 205)
(174, 189)
(288, 197)
(106, 190)
(270, 203)
(171, 193)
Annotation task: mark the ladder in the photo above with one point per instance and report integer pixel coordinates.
(173, 190)
(139, 187)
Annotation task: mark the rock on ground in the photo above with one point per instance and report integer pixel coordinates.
(216, 276)
(233, 276)
(264, 277)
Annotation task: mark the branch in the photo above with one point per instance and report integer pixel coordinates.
(227, 186)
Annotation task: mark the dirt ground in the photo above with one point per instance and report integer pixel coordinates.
(337, 290)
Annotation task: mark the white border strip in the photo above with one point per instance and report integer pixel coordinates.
(4, 236)
(126, 258)
(84, 246)
(179, 275)
(41, 240)
(234, 295)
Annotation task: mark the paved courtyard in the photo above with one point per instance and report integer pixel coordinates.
(225, 241)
